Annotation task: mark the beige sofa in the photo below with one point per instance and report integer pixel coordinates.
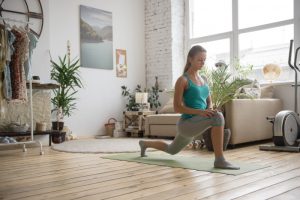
(163, 124)
(245, 117)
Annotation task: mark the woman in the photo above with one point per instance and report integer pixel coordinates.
(193, 100)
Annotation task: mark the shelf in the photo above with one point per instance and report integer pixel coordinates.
(28, 133)
(43, 86)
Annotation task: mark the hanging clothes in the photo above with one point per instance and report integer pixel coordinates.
(24, 58)
(16, 49)
(32, 45)
(7, 90)
(3, 50)
(17, 65)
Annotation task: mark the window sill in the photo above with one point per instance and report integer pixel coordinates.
(278, 83)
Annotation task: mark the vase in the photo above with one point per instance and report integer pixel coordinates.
(208, 141)
(57, 126)
(58, 137)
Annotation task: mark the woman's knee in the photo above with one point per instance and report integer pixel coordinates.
(219, 119)
(173, 151)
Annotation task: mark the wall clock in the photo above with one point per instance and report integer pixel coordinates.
(29, 11)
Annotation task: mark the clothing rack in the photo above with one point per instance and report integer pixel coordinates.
(15, 20)
(32, 141)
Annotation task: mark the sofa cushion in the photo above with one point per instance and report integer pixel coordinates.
(267, 92)
(251, 90)
(163, 118)
(168, 108)
(164, 130)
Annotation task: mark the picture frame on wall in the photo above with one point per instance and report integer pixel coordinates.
(96, 38)
(121, 63)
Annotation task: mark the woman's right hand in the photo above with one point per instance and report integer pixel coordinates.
(207, 112)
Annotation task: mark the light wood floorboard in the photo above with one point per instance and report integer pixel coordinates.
(59, 175)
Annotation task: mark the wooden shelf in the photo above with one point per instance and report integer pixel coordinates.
(28, 133)
(43, 86)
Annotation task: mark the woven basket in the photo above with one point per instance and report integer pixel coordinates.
(208, 142)
(110, 126)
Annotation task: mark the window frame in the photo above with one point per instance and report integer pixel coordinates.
(233, 35)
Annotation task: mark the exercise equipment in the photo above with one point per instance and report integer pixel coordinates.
(286, 123)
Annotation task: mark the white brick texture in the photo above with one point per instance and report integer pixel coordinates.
(164, 39)
(41, 110)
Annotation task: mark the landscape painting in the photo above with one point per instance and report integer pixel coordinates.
(96, 48)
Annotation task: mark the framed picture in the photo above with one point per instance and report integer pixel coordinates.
(96, 45)
(121, 63)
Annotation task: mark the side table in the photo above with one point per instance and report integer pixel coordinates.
(134, 122)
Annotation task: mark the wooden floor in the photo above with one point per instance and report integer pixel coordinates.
(58, 175)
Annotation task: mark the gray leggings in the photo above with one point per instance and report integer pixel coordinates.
(189, 128)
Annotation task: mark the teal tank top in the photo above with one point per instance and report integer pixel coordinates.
(195, 96)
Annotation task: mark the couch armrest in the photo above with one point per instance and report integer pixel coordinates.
(246, 118)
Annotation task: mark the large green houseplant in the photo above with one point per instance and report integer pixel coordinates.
(66, 73)
(224, 83)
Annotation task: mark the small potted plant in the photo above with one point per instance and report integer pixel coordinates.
(153, 96)
(66, 73)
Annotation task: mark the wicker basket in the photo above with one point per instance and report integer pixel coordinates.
(208, 142)
(110, 126)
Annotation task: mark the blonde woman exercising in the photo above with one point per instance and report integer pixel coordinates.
(192, 99)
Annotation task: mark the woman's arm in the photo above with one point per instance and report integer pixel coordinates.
(209, 102)
(179, 106)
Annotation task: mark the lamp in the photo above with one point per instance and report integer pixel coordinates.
(271, 71)
(142, 98)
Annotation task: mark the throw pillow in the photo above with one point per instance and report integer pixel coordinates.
(267, 92)
(249, 91)
(168, 108)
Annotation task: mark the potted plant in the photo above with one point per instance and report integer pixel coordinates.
(223, 85)
(153, 96)
(66, 73)
(131, 105)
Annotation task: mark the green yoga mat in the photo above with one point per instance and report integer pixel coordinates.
(196, 163)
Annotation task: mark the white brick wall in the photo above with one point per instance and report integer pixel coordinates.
(178, 57)
(41, 110)
(164, 28)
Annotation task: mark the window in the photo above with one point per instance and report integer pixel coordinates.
(259, 12)
(219, 50)
(255, 32)
(211, 10)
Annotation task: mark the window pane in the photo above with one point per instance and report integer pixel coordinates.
(216, 50)
(210, 17)
(258, 12)
(267, 46)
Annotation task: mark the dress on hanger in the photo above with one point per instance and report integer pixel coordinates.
(7, 90)
(3, 51)
(32, 45)
(15, 64)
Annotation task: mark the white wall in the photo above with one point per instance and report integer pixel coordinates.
(101, 97)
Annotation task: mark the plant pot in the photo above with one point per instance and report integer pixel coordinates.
(208, 141)
(57, 125)
(58, 137)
